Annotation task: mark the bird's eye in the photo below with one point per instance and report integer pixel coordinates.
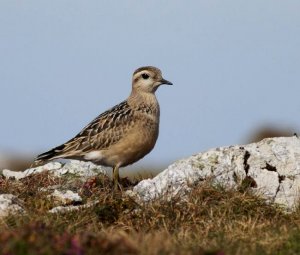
(145, 76)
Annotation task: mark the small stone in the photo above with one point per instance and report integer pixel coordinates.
(67, 197)
(9, 204)
(71, 208)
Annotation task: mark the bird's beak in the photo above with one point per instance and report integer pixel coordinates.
(163, 81)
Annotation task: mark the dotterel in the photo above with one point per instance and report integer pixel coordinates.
(123, 134)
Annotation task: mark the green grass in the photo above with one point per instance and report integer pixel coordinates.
(210, 221)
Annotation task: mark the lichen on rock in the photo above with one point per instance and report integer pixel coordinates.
(271, 168)
(9, 204)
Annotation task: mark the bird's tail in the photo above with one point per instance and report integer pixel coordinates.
(48, 155)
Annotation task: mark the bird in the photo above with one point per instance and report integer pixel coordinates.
(121, 135)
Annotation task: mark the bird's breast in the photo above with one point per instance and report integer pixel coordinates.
(135, 144)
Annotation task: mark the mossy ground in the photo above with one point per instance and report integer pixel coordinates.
(211, 221)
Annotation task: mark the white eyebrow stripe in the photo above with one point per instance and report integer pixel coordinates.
(140, 72)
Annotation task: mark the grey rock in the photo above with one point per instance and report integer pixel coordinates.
(66, 197)
(9, 204)
(52, 166)
(74, 167)
(80, 168)
(272, 165)
(71, 208)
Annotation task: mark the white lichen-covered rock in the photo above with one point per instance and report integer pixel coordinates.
(9, 204)
(67, 197)
(74, 167)
(80, 168)
(52, 166)
(271, 168)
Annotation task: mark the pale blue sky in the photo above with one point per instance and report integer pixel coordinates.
(235, 66)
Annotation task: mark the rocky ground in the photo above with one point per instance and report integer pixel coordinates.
(230, 200)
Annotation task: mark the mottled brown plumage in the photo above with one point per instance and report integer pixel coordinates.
(123, 134)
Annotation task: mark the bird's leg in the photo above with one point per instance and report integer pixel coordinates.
(116, 177)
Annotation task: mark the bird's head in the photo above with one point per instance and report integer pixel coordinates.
(148, 79)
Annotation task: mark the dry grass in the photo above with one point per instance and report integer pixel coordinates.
(211, 221)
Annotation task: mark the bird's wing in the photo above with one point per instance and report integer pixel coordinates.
(104, 131)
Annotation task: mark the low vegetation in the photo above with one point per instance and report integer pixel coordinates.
(210, 221)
